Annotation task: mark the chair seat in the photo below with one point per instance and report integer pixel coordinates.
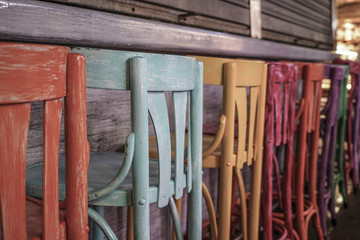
(103, 167)
(34, 220)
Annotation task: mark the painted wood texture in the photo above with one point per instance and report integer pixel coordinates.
(37, 62)
(165, 72)
(77, 149)
(31, 72)
(14, 120)
(279, 130)
(311, 75)
(110, 30)
(236, 76)
(108, 128)
(329, 136)
(141, 195)
(352, 108)
(52, 118)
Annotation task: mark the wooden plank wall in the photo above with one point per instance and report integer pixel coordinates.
(231, 16)
(304, 23)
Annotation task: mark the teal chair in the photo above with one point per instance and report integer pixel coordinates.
(110, 182)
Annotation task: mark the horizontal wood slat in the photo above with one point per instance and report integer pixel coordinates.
(31, 72)
(215, 8)
(110, 69)
(110, 30)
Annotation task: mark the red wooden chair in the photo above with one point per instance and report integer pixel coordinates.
(306, 157)
(279, 132)
(29, 73)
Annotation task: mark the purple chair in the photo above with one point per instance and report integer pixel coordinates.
(353, 117)
(328, 133)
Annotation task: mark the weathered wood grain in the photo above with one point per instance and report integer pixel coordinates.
(14, 121)
(164, 72)
(108, 128)
(27, 72)
(101, 29)
(30, 73)
(214, 8)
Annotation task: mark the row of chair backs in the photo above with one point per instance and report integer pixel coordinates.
(279, 130)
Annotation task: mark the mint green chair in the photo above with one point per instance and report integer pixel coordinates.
(110, 182)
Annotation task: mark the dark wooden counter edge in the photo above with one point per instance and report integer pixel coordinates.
(38, 21)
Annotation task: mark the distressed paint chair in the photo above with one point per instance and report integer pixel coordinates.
(279, 132)
(339, 172)
(310, 76)
(353, 117)
(30, 73)
(328, 134)
(237, 77)
(111, 183)
(238, 147)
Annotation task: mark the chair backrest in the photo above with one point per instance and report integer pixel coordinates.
(279, 130)
(353, 118)
(343, 94)
(244, 93)
(29, 73)
(244, 90)
(336, 74)
(311, 75)
(149, 76)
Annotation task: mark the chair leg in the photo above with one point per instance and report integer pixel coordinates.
(343, 188)
(129, 225)
(176, 219)
(331, 173)
(97, 232)
(322, 200)
(241, 185)
(255, 200)
(211, 212)
(178, 203)
(102, 224)
(340, 159)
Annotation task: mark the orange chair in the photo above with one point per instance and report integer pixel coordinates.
(306, 158)
(29, 73)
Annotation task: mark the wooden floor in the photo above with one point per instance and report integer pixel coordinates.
(348, 221)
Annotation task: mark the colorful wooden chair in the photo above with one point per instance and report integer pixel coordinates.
(29, 73)
(328, 134)
(148, 76)
(339, 175)
(353, 117)
(310, 76)
(279, 133)
(244, 91)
